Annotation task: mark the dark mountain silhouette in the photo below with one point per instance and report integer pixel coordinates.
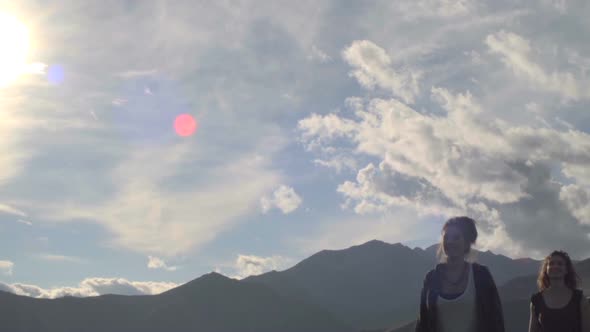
(210, 303)
(376, 284)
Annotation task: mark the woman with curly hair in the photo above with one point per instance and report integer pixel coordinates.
(559, 306)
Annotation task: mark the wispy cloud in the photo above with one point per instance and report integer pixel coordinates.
(146, 217)
(317, 54)
(373, 68)
(137, 73)
(60, 258)
(516, 54)
(12, 210)
(119, 102)
(25, 222)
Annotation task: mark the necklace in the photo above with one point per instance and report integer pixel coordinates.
(459, 280)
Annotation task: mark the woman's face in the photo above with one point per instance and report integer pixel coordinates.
(556, 268)
(453, 242)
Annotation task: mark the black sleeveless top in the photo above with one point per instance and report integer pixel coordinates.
(565, 319)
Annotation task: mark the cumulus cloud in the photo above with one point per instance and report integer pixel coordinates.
(577, 199)
(516, 51)
(463, 160)
(248, 265)
(283, 198)
(92, 287)
(373, 68)
(6, 267)
(158, 263)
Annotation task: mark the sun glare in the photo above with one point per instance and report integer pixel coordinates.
(14, 46)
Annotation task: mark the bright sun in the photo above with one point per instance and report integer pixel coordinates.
(14, 46)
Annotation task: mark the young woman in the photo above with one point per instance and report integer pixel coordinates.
(459, 296)
(559, 306)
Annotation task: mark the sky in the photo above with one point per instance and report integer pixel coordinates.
(146, 143)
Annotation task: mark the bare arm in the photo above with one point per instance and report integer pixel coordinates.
(533, 322)
(585, 308)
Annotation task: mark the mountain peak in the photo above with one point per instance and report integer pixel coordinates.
(375, 243)
(213, 276)
(378, 244)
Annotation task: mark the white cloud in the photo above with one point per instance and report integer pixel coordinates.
(25, 222)
(475, 57)
(373, 68)
(6, 267)
(577, 199)
(12, 210)
(284, 198)
(560, 5)
(158, 263)
(338, 163)
(126, 287)
(318, 55)
(137, 73)
(421, 9)
(61, 258)
(516, 54)
(317, 129)
(250, 265)
(119, 102)
(92, 287)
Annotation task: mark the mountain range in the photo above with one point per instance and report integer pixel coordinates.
(370, 287)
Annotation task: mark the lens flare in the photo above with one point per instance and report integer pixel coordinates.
(14, 47)
(55, 74)
(185, 125)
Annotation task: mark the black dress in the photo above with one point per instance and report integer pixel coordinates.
(565, 319)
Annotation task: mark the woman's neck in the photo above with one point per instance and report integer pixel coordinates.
(455, 263)
(557, 285)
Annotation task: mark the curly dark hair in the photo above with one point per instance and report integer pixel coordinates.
(467, 227)
(571, 277)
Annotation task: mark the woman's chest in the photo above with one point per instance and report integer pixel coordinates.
(557, 300)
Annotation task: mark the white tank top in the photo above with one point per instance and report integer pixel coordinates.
(458, 315)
